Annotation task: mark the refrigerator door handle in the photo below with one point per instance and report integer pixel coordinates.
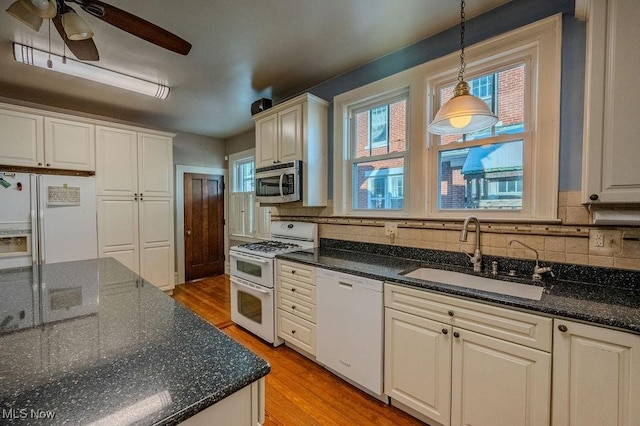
(41, 239)
(35, 228)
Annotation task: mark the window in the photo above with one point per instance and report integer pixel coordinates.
(378, 150)
(246, 217)
(386, 164)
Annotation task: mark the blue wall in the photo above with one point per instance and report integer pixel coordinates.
(512, 15)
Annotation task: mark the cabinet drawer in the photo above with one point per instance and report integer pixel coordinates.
(297, 307)
(514, 326)
(297, 290)
(297, 271)
(295, 330)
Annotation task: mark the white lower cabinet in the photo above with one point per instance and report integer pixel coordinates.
(596, 376)
(455, 362)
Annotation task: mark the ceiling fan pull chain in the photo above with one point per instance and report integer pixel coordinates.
(49, 62)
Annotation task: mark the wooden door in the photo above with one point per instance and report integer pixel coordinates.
(203, 225)
(596, 376)
(498, 383)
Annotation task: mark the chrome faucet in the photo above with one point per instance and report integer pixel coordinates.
(537, 270)
(476, 259)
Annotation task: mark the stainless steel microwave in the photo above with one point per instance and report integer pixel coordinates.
(280, 183)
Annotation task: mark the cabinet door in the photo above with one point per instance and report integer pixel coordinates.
(118, 230)
(69, 145)
(290, 134)
(495, 382)
(21, 139)
(596, 376)
(156, 242)
(267, 141)
(611, 128)
(117, 161)
(418, 364)
(155, 165)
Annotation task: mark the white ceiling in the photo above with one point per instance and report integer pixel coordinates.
(243, 50)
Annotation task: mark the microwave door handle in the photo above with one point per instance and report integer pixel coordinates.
(241, 284)
(281, 179)
(249, 258)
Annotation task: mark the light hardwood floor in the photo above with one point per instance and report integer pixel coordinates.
(298, 391)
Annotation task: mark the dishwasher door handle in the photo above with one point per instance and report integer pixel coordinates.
(348, 286)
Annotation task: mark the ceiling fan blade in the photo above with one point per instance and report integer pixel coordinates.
(135, 26)
(85, 50)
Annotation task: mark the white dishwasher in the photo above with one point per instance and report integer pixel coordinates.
(349, 328)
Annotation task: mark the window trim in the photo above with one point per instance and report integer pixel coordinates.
(541, 39)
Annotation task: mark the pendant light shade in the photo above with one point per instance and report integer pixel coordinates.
(464, 113)
(75, 27)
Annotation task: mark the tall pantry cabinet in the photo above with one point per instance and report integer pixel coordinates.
(134, 173)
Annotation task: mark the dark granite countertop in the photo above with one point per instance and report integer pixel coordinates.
(91, 342)
(596, 295)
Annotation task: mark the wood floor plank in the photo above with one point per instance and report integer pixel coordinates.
(298, 390)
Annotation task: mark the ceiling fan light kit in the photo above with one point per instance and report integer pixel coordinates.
(30, 56)
(464, 113)
(75, 27)
(23, 13)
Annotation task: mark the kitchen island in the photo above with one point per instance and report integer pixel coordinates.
(90, 342)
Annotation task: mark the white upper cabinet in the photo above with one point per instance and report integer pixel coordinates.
(69, 145)
(132, 163)
(610, 172)
(33, 140)
(21, 139)
(297, 130)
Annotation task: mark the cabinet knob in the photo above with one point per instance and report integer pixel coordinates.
(445, 331)
(293, 307)
(39, 164)
(293, 271)
(593, 197)
(456, 334)
(135, 194)
(293, 332)
(48, 164)
(450, 313)
(293, 290)
(563, 328)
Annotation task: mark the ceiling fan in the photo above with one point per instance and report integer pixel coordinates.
(77, 35)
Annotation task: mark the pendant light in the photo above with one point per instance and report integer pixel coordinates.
(464, 113)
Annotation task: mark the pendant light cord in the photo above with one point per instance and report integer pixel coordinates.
(462, 28)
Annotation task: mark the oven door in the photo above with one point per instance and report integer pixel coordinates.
(252, 308)
(256, 269)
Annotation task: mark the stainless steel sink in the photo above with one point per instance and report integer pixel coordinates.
(478, 283)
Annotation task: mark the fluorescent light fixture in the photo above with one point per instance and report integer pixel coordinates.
(39, 58)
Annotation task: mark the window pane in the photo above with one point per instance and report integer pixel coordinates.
(381, 130)
(504, 92)
(244, 180)
(481, 177)
(379, 184)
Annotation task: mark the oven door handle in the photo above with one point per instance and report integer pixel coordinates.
(249, 287)
(249, 258)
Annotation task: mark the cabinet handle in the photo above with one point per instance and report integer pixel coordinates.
(445, 331)
(450, 313)
(593, 197)
(563, 328)
(456, 334)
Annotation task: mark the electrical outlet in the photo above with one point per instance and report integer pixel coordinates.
(390, 228)
(605, 241)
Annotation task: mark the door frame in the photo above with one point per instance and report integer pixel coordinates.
(181, 170)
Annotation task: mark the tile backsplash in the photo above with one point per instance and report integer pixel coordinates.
(567, 242)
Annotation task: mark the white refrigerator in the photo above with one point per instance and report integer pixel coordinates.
(46, 219)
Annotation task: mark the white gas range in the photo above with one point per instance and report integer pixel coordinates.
(253, 275)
